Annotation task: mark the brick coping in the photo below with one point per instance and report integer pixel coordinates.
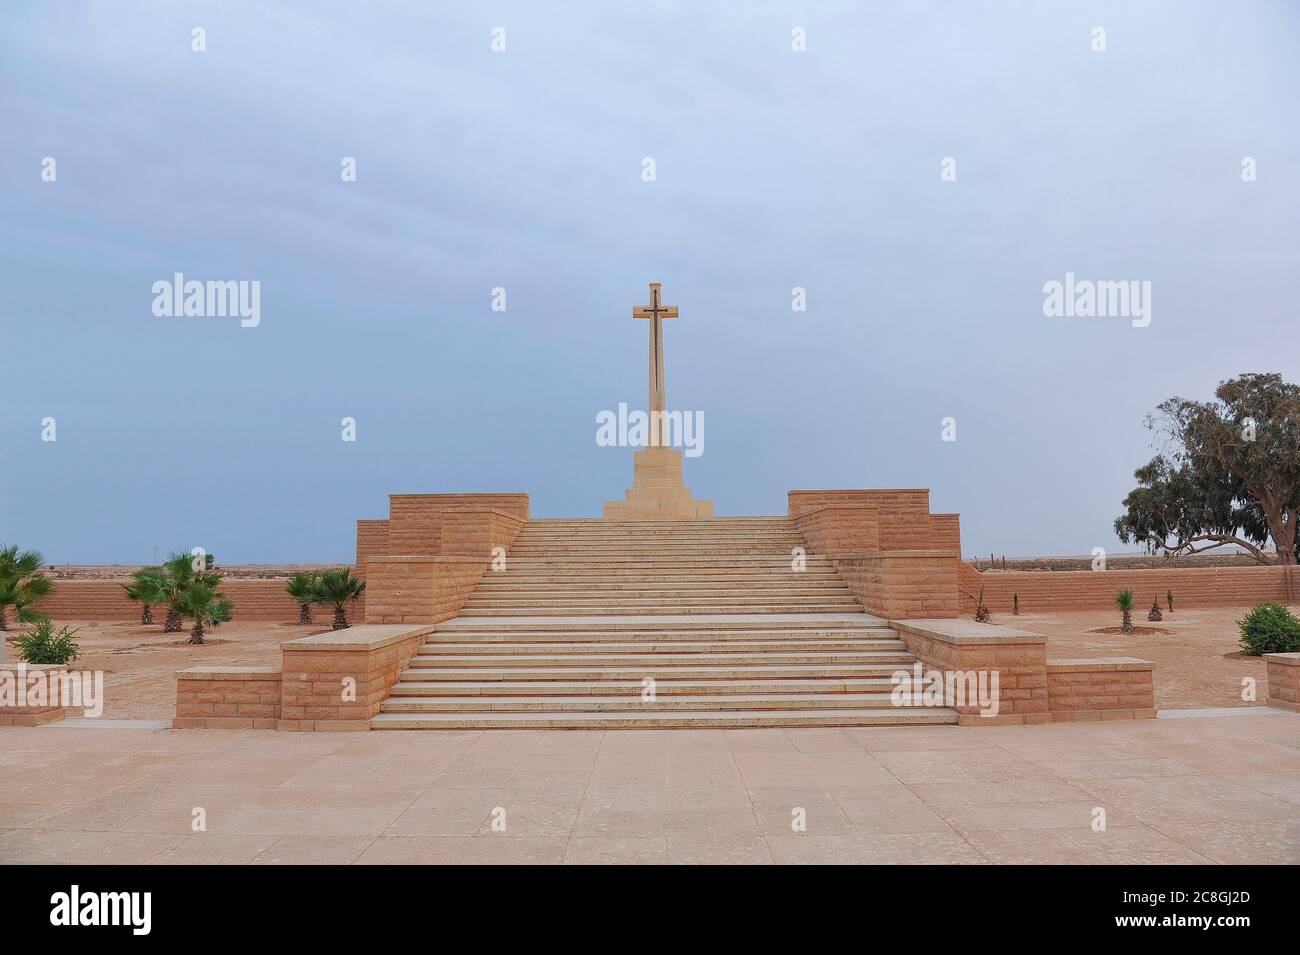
(365, 636)
(229, 673)
(965, 632)
(431, 558)
(925, 552)
(1283, 659)
(1109, 664)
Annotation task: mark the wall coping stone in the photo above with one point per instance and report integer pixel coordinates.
(861, 554)
(1283, 659)
(965, 632)
(436, 558)
(854, 490)
(229, 673)
(1111, 664)
(365, 636)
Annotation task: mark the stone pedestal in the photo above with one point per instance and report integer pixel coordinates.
(658, 491)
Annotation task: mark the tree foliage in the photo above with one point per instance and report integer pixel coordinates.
(1230, 474)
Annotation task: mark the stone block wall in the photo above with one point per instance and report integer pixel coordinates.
(254, 598)
(1020, 659)
(1283, 680)
(227, 698)
(1087, 589)
(421, 564)
(337, 680)
(1114, 688)
(897, 558)
(416, 521)
(20, 705)
(420, 589)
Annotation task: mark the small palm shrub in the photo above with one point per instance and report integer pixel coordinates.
(43, 645)
(300, 587)
(1169, 599)
(147, 588)
(337, 588)
(1269, 628)
(1154, 613)
(1124, 600)
(201, 602)
(22, 584)
(982, 614)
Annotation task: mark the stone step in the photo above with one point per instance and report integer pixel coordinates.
(664, 687)
(598, 610)
(667, 719)
(519, 588)
(496, 648)
(489, 674)
(686, 658)
(738, 562)
(531, 532)
(652, 599)
(703, 548)
(802, 622)
(884, 638)
(632, 702)
(661, 576)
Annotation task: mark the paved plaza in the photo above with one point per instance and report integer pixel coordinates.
(1215, 788)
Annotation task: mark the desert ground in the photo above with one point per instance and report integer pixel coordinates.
(1197, 663)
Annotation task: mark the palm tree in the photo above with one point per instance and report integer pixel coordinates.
(1124, 601)
(177, 574)
(982, 614)
(21, 584)
(336, 588)
(201, 602)
(300, 588)
(146, 587)
(1154, 613)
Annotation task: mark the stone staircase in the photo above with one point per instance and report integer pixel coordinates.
(611, 624)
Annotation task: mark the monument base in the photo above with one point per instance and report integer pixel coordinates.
(658, 492)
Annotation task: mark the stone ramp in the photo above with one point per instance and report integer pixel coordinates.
(620, 624)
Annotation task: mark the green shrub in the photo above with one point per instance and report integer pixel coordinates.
(42, 645)
(1269, 628)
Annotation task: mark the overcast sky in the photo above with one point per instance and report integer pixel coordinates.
(522, 170)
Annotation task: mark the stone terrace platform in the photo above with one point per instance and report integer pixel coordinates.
(1203, 788)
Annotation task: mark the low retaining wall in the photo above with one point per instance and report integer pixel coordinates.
(1111, 688)
(254, 599)
(1283, 680)
(1019, 657)
(14, 679)
(1031, 688)
(1088, 589)
(336, 681)
(328, 681)
(227, 698)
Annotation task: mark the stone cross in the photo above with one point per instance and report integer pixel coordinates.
(656, 312)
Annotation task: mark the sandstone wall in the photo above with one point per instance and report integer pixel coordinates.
(1086, 589)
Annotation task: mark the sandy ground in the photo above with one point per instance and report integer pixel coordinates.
(1196, 663)
(140, 663)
